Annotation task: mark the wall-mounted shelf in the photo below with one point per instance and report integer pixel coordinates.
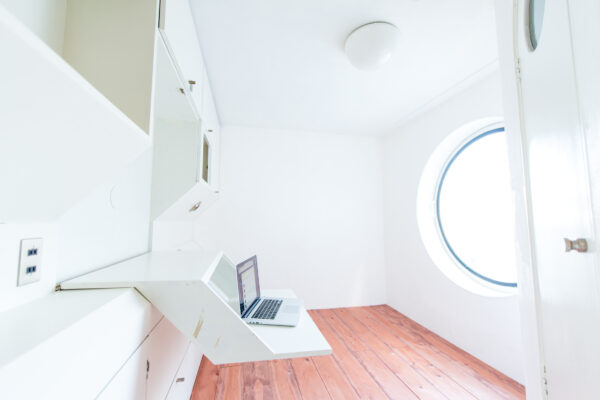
(197, 292)
(60, 136)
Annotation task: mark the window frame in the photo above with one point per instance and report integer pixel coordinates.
(442, 151)
(481, 134)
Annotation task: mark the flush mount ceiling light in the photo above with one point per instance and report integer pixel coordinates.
(371, 45)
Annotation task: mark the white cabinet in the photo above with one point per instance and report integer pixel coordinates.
(60, 136)
(150, 371)
(166, 348)
(179, 32)
(69, 344)
(130, 381)
(186, 375)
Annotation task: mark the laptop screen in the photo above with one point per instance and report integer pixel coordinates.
(248, 287)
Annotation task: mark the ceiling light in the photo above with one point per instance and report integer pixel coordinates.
(371, 45)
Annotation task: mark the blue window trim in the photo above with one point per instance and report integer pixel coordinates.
(437, 210)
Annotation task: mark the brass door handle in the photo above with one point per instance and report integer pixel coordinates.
(579, 245)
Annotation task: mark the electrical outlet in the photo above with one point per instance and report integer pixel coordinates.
(30, 261)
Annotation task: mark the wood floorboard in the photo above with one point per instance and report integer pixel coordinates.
(229, 385)
(360, 379)
(378, 354)
(310, 382)
(443, 383)
(285, 382)
(417, 383)
(205, 386)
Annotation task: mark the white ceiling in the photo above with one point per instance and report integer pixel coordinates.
(281, 63)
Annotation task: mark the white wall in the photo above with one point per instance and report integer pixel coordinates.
(46, 18)
(309, 205)
(488, 328)
(109, 225)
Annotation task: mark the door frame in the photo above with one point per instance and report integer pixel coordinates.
(507, 25)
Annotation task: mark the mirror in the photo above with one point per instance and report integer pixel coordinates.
(176, 136)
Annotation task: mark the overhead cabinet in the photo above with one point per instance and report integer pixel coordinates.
(62, 135)
(197, 292)
(81, 89)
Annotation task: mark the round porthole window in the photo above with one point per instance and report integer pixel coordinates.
(535, 17)
(466, 211)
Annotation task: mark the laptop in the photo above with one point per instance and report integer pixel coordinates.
(255, 309)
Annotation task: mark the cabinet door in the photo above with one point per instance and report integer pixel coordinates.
(210, 130)
(130, 381)
(150, 371)
(179, 32)
(186, 376)
(166, 348)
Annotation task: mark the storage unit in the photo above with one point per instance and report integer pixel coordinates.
(60, 136)
(178, 190)
(95, 89)
(197, 292)
(87, 335)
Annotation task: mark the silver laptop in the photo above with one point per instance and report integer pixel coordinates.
(255, 309)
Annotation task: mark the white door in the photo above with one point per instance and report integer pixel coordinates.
(559, 93)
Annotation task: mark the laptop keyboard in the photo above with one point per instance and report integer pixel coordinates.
(267, 309)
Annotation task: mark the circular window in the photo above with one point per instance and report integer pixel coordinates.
(535, 16)
(466, 209)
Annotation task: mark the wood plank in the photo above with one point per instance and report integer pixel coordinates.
(416, 382)
(437, 377)
(310, 382)
(361, 380)
(205, 386)
(335, 380)
(229, 384)
(459, 372)
(350, 339)
(257, 381)
(378, 353)
(285, 383)
(389, 382)
(484, 369)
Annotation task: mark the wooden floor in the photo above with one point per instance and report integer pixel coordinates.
(378, 353)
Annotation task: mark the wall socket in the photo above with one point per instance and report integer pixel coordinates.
(30, 261)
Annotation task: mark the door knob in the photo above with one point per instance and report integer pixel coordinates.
(579, 245)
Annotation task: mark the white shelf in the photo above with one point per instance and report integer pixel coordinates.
(60, 136)
(197, 292)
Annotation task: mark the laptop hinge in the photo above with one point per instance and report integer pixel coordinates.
(249, 310)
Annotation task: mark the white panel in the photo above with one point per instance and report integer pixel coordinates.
(86, 335)
(558, 115)
(180, 35)
(56, 145)
(179, 285)
(166, 348)
(186, 375)
(111, 43)
(109, 225)
(46, 18)
(191, 204)
(130, 381)
(526, 278)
